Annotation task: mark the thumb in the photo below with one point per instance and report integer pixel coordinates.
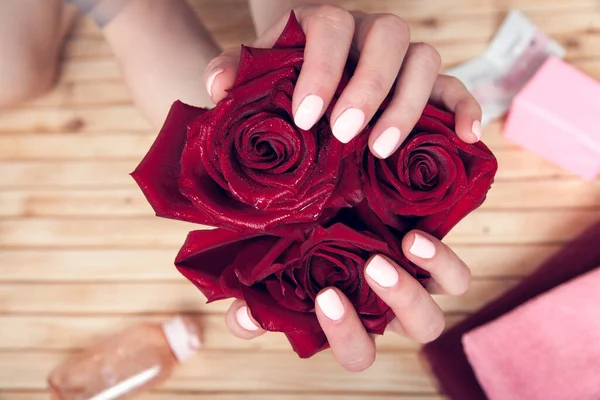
(220, 74)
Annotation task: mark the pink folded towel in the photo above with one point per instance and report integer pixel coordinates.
(548, 348)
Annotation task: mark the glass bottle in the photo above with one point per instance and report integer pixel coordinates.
(127, 364)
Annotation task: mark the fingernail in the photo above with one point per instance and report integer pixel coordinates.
(331, 304)
(211, 79)
(243, 318)
(382, 272)
(477, 129)
(309, 111)
(348, 124)
(387, 142)
(422, 247)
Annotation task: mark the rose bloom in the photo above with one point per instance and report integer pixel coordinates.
(433, 181)
(244, 165)
(279, 278)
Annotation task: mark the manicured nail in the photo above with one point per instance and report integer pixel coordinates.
(309, 111)
(348, 124)
(243, 318)
(387, 142)
(381, 271)
(331, 304)
(211, 79)
(422, 247)
(477, 129)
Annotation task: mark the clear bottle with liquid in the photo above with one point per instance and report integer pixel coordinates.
(127, 364)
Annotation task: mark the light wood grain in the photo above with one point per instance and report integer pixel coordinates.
(64, 332)
(481, 227)
(82, 257)
(169, 297)
(513, 164)
(130, 202)
(167, 395)
(249, 371)
(153, 265)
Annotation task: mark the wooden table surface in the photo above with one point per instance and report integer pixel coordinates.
(82, 256)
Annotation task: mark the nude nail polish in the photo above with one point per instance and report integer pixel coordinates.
(387, 142)
(477, 129)
(331, 304)
(243, 318)
(422, 247)
(348, 124)
(211, 80)
(308, 112)
(381, 271)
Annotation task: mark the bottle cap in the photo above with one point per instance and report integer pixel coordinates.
(182, 337)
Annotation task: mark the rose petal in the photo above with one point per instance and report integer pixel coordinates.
(273, 317)
(292, 35)
(206, 254)
(158, 172)
(308, 344)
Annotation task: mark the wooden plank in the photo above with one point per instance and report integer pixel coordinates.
(48, 332)
(214, 371)
(480, 227)
(233, 15)
(152, 265)
(79, 173)
(130, 202)
(513, 164)
(169, 395)
(74, 146)
(170, 297)
(63, 119)
(86, 93)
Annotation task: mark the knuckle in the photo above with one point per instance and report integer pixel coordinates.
(453, 83)
(427, 53)
(337, 17)
(409, 295)
(393, 26)
(374, 85)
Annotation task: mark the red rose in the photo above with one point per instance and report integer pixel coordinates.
(279, 279)
(434, 179)
(244, 165)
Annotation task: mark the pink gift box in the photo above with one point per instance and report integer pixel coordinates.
(557, 115)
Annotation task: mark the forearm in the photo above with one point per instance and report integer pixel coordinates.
(266, 12)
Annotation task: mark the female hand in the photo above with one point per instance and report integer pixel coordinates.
(417, 315)
(386, 57)
(332, 33)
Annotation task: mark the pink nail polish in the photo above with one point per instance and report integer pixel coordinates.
(348, 124)
(243, 318)
(330, 303)
(476, 129)
(211, 79)
(381, 271)
(387, 142)
(308, 112)
(422, 247)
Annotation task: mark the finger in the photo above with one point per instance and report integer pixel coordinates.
(419, 315)
(240, 323)
(453, 94)
(415, 83)
(350, 343)
(375, 73)
(220, 74)
(450, 275)
(329, 30)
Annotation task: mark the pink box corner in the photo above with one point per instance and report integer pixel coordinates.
(557, 116)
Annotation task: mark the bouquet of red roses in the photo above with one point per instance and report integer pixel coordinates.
(296, 210)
